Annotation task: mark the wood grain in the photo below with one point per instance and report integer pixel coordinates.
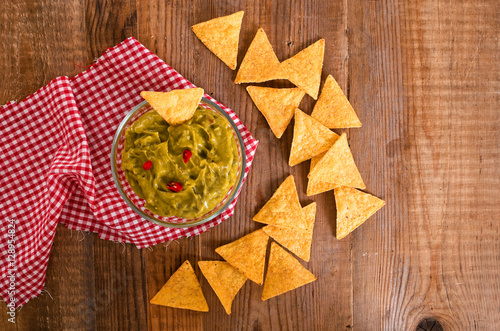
(38, 44)
(424, 76)
(424, 79)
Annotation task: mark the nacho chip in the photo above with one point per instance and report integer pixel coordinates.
(304, 68)
(182, 290)
(225, 280)
(260, 63)
(221, 35)
(247, 254)
(283, 209)
(310, 138)
(338, 167)
(315, 186)
(333, 109)
(176, 106)
(284, 273)
(277, 105)
(295, 240)
(353, 208)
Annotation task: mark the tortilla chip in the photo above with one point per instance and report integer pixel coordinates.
(176, 106)
(260, 63)
(247, 254)
(353, 208)
(225, 280)
(333, 109)
(315, 186)
(310, 138)
(277, 105)
(221, 35)
(182, 290)
(304, 68)
(295, 240)
(283, 209)
(284, 273)
(338, 167)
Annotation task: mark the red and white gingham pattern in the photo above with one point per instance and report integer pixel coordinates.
(44, 158)
(50, 172)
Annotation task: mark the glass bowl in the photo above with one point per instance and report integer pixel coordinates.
(137, 204)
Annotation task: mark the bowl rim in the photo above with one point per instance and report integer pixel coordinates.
(238, 184)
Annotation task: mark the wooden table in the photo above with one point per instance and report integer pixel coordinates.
(424, 77)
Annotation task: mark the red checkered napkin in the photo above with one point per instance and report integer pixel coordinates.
(44, 157)
(55, 162)
(105, 93)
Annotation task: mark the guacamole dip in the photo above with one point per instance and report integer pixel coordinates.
(183, 170)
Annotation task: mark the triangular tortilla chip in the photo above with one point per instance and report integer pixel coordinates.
(277, 105)
(353, 208)
(260, 63)
(310, 138)
(221, 35)
(315, 186)
(283, 209)
(247, 254)
(225, 280)
(176, 106)
(284, 273)
(295, 240)
(333, 109)
(338, 167)
(304, 68)
(182, 290)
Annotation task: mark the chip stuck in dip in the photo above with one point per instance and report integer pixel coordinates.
(183, 170)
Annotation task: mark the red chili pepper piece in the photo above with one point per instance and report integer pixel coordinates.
(147, 165)
(186, 155)
(174, 186)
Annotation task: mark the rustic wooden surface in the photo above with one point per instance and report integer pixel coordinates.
(424, 77)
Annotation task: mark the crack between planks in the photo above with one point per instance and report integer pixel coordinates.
(348, 83)
(346, 59)
(136, 25)
(352, 289)
(87, 53)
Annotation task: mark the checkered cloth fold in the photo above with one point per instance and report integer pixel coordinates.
(55, 163)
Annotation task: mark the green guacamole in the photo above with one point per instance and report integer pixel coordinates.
(204, 179)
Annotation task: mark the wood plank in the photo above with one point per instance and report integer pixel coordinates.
(164, 27)
(34, 51)
(107, 24)
(120, 297)
(68, 302)
(424, 79)
(120, 301)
